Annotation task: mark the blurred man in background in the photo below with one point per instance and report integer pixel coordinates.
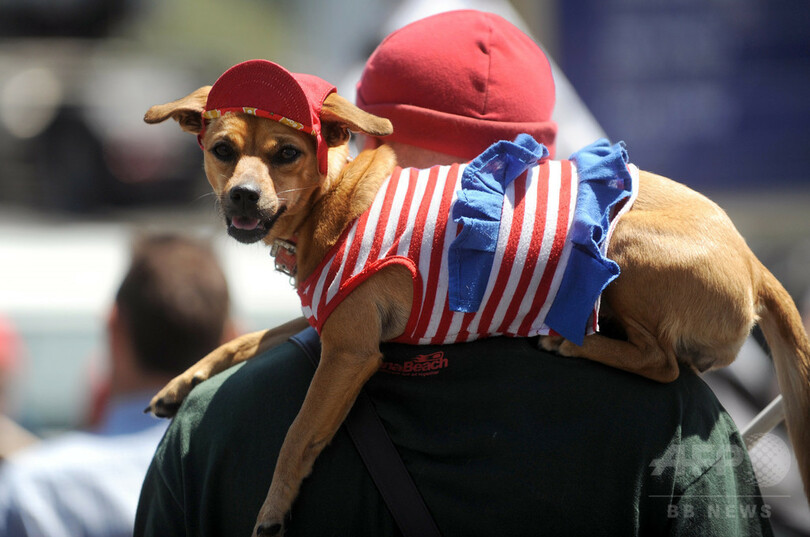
(171, 308)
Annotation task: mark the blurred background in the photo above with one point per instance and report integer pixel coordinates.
(713, 93)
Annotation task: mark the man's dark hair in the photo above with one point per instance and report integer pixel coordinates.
(173, 301)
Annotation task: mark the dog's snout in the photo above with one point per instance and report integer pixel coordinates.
(245, 196)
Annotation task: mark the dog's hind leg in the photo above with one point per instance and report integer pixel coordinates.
(701, 327)
(641, 353)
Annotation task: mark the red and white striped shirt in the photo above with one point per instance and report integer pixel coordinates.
(410, 223)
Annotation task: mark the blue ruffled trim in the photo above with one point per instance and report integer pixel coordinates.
(604, 181)
(478, 208)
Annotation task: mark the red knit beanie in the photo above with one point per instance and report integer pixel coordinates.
(459, 81)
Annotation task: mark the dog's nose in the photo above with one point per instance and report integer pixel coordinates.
(245, 196)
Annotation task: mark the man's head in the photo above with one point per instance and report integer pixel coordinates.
(456, 82)
(173, 304)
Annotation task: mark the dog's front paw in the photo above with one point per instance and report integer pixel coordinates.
(271, 518)
(269, 525)
(167, 401)
(269, 529)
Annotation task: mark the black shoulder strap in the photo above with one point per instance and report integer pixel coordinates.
(380, 456)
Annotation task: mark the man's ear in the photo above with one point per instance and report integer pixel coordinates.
(339, 116)
(186, 111)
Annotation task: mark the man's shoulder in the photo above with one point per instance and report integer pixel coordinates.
(496, 380)
(511, 377)
(504, 357)
(503, 369)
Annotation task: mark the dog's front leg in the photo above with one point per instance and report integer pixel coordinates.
(350, 356)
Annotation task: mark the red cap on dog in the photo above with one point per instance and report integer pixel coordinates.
(459, 81)
(266, 89)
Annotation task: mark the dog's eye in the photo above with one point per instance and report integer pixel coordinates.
(223, 152)
(286, 155)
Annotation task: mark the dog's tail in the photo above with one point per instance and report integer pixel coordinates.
(782, 325)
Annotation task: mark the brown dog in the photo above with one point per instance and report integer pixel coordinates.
(675, 248)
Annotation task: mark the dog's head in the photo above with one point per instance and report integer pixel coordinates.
(273, 142)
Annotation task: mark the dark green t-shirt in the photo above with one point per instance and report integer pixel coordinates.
(499, 437)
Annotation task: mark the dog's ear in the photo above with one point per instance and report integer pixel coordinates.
(186, 111)
(339, 116)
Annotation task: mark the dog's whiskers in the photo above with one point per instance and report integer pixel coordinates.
(198, 198)
(295, 190)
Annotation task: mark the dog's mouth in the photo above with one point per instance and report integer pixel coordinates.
(249, 229)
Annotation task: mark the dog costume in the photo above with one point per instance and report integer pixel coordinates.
(510, 244)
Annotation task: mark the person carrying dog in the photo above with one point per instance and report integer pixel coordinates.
(499, 437)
